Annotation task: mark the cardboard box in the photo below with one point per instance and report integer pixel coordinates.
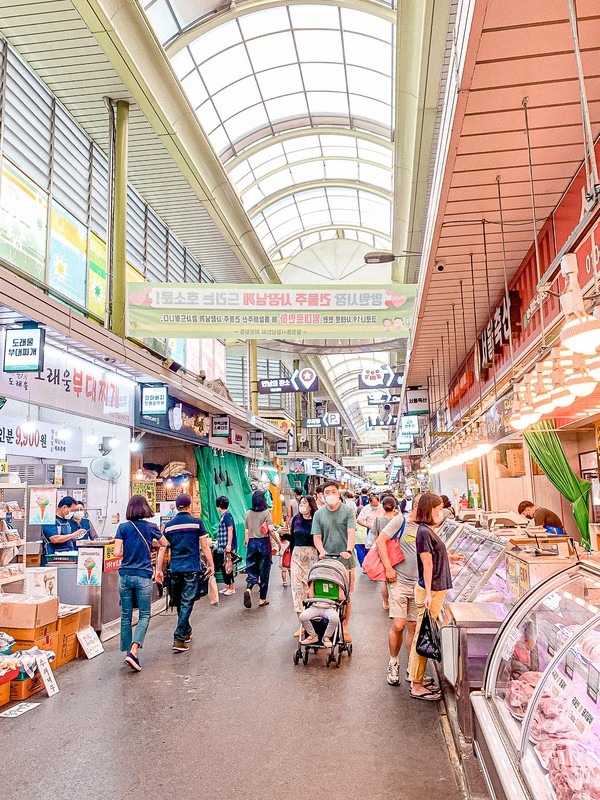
(85, 619)
(21, 690)
(68, 645)
(49, 642)
(4, 694)
(24, 611)
(29, 635)
(41, 581)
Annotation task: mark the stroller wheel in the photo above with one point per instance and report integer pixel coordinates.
(296, 657)
(328, 661)
(349, 649)
(338, 660)
(305, 656)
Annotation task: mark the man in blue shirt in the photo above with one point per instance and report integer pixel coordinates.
(186, 535)
(60, 537)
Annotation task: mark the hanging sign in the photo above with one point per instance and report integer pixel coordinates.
(417, 401)
(238, 437)
(154, 400)
(184, 310)
(284, 425)
(409, 424)
(181, 420)
(301, 380)
(386, 422)
(45, 440)
(281, 448)
(379, 398)
(330, 420)
(70, 384)
(220, 427)
(497, 332)
(380, 376)
(256, 440)
(23, 350)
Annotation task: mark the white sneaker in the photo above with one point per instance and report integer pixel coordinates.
(222, 591)
(227, 592)
(393, 673)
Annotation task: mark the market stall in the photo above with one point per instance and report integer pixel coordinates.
(537, 720)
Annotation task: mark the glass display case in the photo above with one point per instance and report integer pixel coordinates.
(449, 530)
(537, 721)
(483, 555)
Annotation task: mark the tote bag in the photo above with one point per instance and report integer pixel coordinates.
(373, 564)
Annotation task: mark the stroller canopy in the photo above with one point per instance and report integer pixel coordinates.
(330, 569)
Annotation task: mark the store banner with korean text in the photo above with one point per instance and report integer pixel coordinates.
(200, 311)
(46, 440)
(70, 384)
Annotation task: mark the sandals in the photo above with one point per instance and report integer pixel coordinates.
(427, 682)
(263, 603)
(428, 695)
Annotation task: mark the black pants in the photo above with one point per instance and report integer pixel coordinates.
(258, 564)
(219, 559)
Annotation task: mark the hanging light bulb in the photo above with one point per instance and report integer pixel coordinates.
(561, 395)
(29, 425)
(579, 381)
(134, 446)
(169, 484)
(139, 474)
(63, 433)
(113, 442)
(581, 333)
(542, 402)
(91, 438)
(528, 416)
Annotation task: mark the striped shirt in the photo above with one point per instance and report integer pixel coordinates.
(183, 533)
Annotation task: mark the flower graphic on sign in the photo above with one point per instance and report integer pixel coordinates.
(60, 268)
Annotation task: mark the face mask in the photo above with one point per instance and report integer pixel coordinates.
(374, 507)
(332, 500)
(78, 514)
(70, 515)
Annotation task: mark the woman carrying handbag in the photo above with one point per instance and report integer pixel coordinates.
(259, 557)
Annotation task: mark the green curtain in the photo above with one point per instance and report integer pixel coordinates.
(239, 493)
(294, 478)
(548, 452)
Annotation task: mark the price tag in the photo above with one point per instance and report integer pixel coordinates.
(570, 664)
(552, 641)
(91, 644)
(45, 671)
(557, 683)
(593, 683)
(581, 717)
(19, 709)
(509, 647)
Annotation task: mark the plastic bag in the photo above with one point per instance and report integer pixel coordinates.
(428, 639)
(213, 591)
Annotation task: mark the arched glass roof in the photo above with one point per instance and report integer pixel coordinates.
(297, 100)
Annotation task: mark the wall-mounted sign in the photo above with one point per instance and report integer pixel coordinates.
(154, 400)
(281, 448)
(409, 424)
(301, 380)
(184, 310)
(330, 420)
(380, 376)
(317, 464)
(417, 401)
(70, 384)
(220, 427)
(238, 437)
(181, 420)
(284, 425)
(23, 350)
(46, 440)
(256, 440)
(497, 332)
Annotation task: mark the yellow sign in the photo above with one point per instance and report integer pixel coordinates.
(3, 467)
(283, 424)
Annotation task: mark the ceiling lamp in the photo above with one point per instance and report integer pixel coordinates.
(581, 331)
(29, 425)
(561, 395)
(542, 401)
(580, 382)
(593, 367)
(526, 415)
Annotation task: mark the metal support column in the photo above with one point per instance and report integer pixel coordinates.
(118, 282)
(298, 412)
(311, 414)
(253, 374)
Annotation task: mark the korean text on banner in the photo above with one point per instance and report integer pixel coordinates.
(184, 310)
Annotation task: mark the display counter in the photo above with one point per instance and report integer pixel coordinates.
(537, 720)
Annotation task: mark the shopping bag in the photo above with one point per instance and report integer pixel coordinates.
(202, 589)
(373, 564)
(286, 558)
(428, 639)
(213, 591)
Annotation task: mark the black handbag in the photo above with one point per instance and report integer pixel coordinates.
(428, 639)
(202, 590)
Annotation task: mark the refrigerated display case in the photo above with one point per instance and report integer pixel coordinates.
(537, 720)
(483, 555)
(449, 530)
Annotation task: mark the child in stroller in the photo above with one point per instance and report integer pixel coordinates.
(324, 611)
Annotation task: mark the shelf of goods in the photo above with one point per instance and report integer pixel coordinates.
(537, 719)
(13, 505)
(486, 585)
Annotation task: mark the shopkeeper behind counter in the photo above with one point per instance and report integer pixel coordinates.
(542, 517)
(81, 523)
(60, 537)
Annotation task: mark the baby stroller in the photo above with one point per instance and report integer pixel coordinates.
(327, 578)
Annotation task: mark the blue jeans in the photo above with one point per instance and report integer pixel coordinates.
(361, 552)
(258, 564)
(185, 586)
(131, 586)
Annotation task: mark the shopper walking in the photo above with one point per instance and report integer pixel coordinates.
(434, 580)
(226, 545)
(388, 505)
(303, 551)
(134, 541)
(186, 536)
(259, 528)
(334, 531)
(292, 508)
(365, 520)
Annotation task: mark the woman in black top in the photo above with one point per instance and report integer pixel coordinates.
(304, 553)
(433, 563)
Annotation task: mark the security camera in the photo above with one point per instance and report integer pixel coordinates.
(440, 267)
(108, 360)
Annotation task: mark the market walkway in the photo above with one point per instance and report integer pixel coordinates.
(233, 718)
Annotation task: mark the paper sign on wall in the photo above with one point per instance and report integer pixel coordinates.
(89, 641)
(45, 670)
(89, 566)
(42, 505)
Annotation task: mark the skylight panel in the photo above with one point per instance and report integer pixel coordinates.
(226, 68)
(252, 197)
(280, 80)
(264, 22)
(288, 107)
(370, 109)
(302, 143)
(286, 229)
(194, 89)
(274, 50)
(219, 140)
(162, 20)
(275, 183)
(242, 94)
(215, 41)
(331, 103)
(307, 205)
(342, 170)
(312, 16)
(371, 152)
(208, 116)
(377, 176)
(183, 63)
(367, 52)
(319, 46)
(369, 24)
(369, 83)
(313, 171)
(250, 119)
(317, 219)
(316, 76)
